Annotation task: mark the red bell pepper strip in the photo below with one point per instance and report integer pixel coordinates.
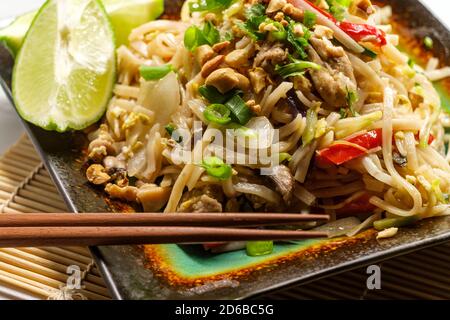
(359, 205)
(340, 153)
(363, 32)
(358, 32)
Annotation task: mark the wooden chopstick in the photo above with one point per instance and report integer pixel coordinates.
(93, 229)
(98, 236)
(156, 219)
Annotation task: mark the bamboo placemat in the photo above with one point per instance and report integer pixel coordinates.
(40, 273)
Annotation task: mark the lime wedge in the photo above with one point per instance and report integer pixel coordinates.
(125, 15)
(65, 70)
(12, 35)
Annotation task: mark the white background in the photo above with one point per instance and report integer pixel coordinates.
(10, 127)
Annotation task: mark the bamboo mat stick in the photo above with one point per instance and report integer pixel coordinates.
(26, 274)
(11, 181)
(23, 153)
(6, 187)
(12, 175)
(19, 259)
(21, 165)
(32, 263)
(43, 179)
(11, 279)
(38, 197)
(83, 258)
(36, 206)
(45, 186)
(45, 193)
(10, 210)
(18, 158)
(64, 261)
(84, 251)
(4, 169)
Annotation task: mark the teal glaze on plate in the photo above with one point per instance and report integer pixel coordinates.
(190, 261)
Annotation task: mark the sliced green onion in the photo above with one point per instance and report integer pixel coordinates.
(259, 248)
(155, 72)
(284, 156)
(337, 8)
(352, 98)
(298, 43)
(239, 110)
(170, 128)
(411, 62)
(217, 113)
(210, 33)
(213, 95)
(209, 5)
(216, 168)
(310, 130)
(345, 3)
(255, 16)
(280, 34)
(309, 19)
(296, 68)
(369, 53)
(394, 222)
(195, 37)
(428, 42)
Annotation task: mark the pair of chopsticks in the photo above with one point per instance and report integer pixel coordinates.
(94, 229)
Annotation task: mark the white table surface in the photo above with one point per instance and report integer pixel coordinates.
(10, 127)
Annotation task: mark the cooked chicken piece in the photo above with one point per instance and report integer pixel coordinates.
(256, 108)
(270, 55)
(124, 193)
(203, 203)
(322, 31)
(335, 79)
(205, 199)
(258, 79)
(294, 12)
(275, 5)
(153, 198)
(225, 79)
(361, 8)
(96, 174)
(284, 181)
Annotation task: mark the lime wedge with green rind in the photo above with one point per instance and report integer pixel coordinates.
(12, 35)
(125, 15)
(65, 70)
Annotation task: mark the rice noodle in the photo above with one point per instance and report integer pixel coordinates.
(398, 180)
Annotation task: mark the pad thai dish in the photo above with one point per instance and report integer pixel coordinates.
(276, 106)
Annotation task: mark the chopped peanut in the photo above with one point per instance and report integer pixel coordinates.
(96, 174)
(211, 65)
